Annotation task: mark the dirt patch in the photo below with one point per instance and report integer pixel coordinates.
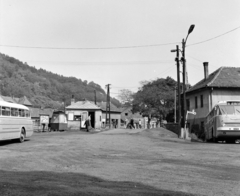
(115, 161)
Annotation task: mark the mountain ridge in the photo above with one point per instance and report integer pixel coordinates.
(44, 88)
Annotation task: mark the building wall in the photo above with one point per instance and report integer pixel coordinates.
(72, 124)
(201, 112)
(115, 116)
(221, 95)
(98, 119)
(75, 124)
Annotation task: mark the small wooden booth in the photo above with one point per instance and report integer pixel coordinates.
(58, 121)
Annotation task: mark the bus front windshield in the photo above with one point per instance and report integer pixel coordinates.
(229, 109)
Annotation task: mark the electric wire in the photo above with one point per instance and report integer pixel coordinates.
(214, 37)
(72, 63)
(91, 48)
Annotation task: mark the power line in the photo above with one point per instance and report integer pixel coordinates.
(103, 63)
(116, 47)
(90, 48)
(124, 87)
(214, 37)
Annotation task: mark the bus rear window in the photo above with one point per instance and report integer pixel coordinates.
(230, 109)
(5, 111)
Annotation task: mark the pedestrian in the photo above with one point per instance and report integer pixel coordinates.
(49, 127)
(140, 123)
(126, 123)
(132, 124)
(137, 125)
(87, 123)
(43, 125)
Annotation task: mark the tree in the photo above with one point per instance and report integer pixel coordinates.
(126, 97)
(155, 98)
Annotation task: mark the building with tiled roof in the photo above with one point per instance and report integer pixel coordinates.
(127, 114)
(37, 112)
(8, 99)
(115, 113)
(24, 101)
(222, 84)
(113, 108)
(79, 111)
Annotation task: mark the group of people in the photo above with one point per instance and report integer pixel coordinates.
(134, 125)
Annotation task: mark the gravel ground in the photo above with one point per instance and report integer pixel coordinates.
(118, 162)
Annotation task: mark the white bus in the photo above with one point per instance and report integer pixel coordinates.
(15, 121)
(223, 122)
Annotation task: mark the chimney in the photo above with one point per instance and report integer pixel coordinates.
(205, 65)
(72, 100)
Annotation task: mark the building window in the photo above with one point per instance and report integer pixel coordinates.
(196, 104)
(202, 126)
(201, 101)
(188, 104)
(77, 117)
(70, 116)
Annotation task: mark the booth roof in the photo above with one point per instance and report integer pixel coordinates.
(83, 105)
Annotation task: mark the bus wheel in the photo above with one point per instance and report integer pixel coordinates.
(22, 135)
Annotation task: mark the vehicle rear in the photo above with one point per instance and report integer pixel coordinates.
(228, 123)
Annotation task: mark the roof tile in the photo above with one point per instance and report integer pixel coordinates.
(223, 77)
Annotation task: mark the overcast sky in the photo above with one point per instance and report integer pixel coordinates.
(120, 42)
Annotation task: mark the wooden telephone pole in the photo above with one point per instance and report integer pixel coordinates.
(108, 107)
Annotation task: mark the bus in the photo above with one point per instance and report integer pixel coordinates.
(223, 122)
(15, 121)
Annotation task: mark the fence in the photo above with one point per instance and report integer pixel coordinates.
(174, 127)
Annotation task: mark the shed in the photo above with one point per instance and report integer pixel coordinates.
(78, 112)
(58, 121)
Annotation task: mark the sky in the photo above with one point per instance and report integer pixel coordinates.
(121, 42)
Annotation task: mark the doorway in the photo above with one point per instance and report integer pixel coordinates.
(92, 117)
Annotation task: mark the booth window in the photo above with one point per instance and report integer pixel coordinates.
(77, 117)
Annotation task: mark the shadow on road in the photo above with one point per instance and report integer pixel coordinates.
(10, 142)
(62, 184)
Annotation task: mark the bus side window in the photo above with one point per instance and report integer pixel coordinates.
(5, 111)
(0, 110)
(14, 112)
(27, 113)
(21, 113)
(217, 111)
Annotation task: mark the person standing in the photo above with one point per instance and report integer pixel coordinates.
(140, 123)
(132, 124)
(87, 123)
(126, 123)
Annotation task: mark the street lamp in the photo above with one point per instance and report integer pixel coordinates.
(184, 73)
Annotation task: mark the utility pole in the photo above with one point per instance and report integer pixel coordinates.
(178, 86)
(184, 75)
(108, 106)
(184, 82)
(175, 104)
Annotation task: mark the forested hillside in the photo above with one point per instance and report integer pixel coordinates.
(44, 88)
